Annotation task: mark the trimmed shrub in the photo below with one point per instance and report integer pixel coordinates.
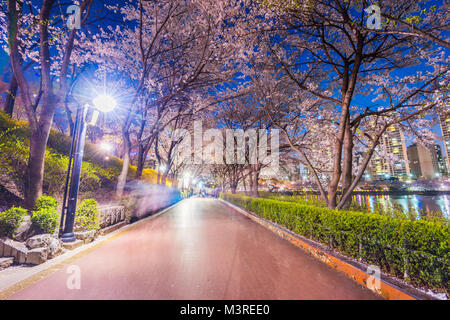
(10, 221)
(45, 202)
(293, 198)
(86, 217)
(417, 251)
(46, 218)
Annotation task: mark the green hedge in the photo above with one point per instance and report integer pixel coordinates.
(10, 221)
(87, 216)
(294, 198)
(45, 202)
(418, 249)
(46, 219)
(45, 214)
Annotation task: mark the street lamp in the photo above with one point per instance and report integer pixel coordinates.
(102, 103)
(106, 147)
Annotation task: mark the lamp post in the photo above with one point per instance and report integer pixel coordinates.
(104, 104)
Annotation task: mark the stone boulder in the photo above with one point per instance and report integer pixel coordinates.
(6, 262)
(86, 236)
(42, 247)
(11, 248)
(53, 245)
(37, 256)
(26, 230)
(39, 241)
(55, 248)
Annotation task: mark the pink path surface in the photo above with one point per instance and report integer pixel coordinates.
(200, 249)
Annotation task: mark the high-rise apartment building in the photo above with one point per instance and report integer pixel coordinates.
(444, 120)
(442, 167)
(426, 163)
(392, 143)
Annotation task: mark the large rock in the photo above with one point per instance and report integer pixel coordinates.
(37, 256)
(26, 230)
(53, 245)
(39, 241)
(86, 236)
(6, 262)
(2, 239)
(11, 248)
(42, 247)
(55, 248)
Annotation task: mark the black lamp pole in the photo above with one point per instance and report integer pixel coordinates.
(74, 172)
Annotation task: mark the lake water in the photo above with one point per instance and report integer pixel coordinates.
(420, 204)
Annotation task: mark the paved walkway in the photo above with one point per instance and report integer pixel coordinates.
(200, 249)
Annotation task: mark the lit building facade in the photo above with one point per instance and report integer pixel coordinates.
(425, 163)
(442, 167)
(444, 120)
(304, 173)
(391, 143)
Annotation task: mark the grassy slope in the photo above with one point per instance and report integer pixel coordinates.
(58, 148)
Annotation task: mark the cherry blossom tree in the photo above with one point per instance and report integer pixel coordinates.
(34, 38)
(328, 79)
(172, 54)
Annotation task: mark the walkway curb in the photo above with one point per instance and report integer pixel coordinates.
(386, 290)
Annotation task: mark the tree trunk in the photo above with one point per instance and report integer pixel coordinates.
(348, 89)
(122, 180)
(163, 179)
(140, 162)
(348, 164)
(337, 162)
(11, 96)
(245, 185)
(69, 118)
(35, 170)
(175, 182)
(255, 184)
(250, 182)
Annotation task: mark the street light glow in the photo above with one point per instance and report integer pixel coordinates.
(106, 146)
(105, 103)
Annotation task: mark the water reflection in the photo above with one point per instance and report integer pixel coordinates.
(419, 204)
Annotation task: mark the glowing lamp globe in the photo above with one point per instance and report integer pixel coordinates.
(106, 146)
(104, 103)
